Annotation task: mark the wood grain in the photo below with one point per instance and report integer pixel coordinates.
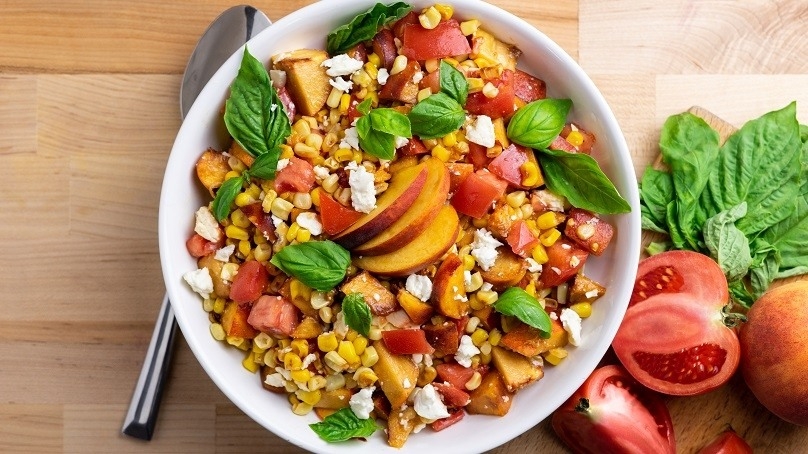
(89, 109)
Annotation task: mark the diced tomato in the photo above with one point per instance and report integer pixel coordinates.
(409, 18)
(565, 258)
(588, 231)
(400, 87)
(444, 337)
(335, 216)
(250, 281)
(588, 138)
(452, 396)
(560, 143)
(501, 105)
(297, 176)
(458, 171)
(478, 156)
(477, 192)
(431, 81)
(507, 165)
(454, 374)
(406, 341)
(445, 40)
(358, 52)
(521, 239)
(385, 47)
(260, 219)
(353, 113)
(274, 314)
(453, 417)
(288, 104)
(528, 88)
(414, 147)
(199, 247)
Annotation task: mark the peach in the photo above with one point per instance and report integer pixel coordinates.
(774, 353)
(448, 291)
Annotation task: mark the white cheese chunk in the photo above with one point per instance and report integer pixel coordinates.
(420, 286)
(466, 351)
(363, 188)
(341, 84)
(342, 65)
(427, 404)
(282, 163)
(572, 325)
(484, 249)
(200, 281)
(533, 266)
(382, 76)
(481, 131)
(223, 254)
(311, 222)
(401, 141)
(206, 225)
(321, 172)
(278, 77)
(362, 402)
(351, 139)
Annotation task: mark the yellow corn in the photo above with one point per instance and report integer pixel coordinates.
(373, 97)
(250, 364)
(369, 357)
(315, 196)
(475, 303)
(371, 69)
(327, 342)
(291, 234)
(360, 344)
(331, 184)
(207, 305)
(236, 164)
(374, 334)
(547, 220)
(343, 155)
(488, 297)
(398, 65)
(302, 408)
(375, 59)
(314, 140)
(555, 356)
(333, 98)
(449, 140)
(423, 94)
(432, 65)
(262, 252)
(516, 198)
(583, 310)
(539, 254)
(430, 18)
(263, 341)
(427, 375)
(301, 376)
(469, 27)
(475, 84)
(474, 382)
(483, 62)
(575, 138)
(494, 337)
(292, 361)
(303, 235)
(300, 347)
(336, 362)
(302, 200)
(236, 233)
(530, 289)
(365, 377)
(479, 336)
(217, 331)
(480, 223)
(445, 11)
(441, 153)
(244, 199)
(232, 174)
(244, 247)
(239, 219)
(308, 397)
(362, 78)
(316, 382)
(468, 262)
(347, 351)
(286, 151)
(531, 176)
(281, 208)
(549, 237)
(254, 191)
(305, 151)
(494, 151)
(475, 283)
(326, 314)
(451, 61)
(344, 103)
(500, 132)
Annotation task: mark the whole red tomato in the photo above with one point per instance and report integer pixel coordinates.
(727, 443)
(673, 338)
(612, 413)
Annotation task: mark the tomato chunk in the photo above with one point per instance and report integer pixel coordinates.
(565, 258)
(521, 239)
(385, 47)
(250, 281)
(445, 40)
(273, 314)
(560, 143)
(431, 81)
(454, 374)
(409, 18)
(507, 164)
(260, 219)
(450, 420)
(406, 341)
(588, 231)
(335, 216)
(477, 155)
(477, 192)
(501, 105)
(199, 247)
(414, 147)
(458, 171)
(297, 176)
(288, 104)
(400, 86)
(452, 396)
(528, 88)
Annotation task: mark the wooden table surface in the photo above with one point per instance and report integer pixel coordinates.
(88, 113)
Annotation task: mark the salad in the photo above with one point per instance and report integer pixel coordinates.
(398, 232)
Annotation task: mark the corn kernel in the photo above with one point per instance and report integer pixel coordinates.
(398, 65)
(371, 69)
(365, 377)
(281, 208)
(432, 65)
(336, 362)
(583, 310)
(375, 333)
(575, 138)
(373, 97)
(471, 325)
(430, 18)
(531, 176)
(347, 351)
(423, 94)
(449, 140)
(479, 222)
(494, 337)
(485, 348)
(207, 305)
(291, 234)
(302, 409)
(547, 220)
(369, 357)
(360, 344)
(244, 247)
(263, 341)
(334, 381)
(427, 375)
(232, 174)
(239, 219)
(236, 164)
(286, 151)
(475, 84)
(363, 79)
(306, 151)
(343, 155)
(483, 62)
(468, 262)
(292, 362)
(236, 233)
(516, 199)
(441, 153)
(315, 196)
(493, 152)
(474, 382)
(474, 283)
(375, 59)
(308, 397)
(445, 11)
(469, 27)
(490, 90)
(475, 303)
(300, 347)
(326, 314)
(334, 98)
(301, 376)
(344, 103)
(530, 289)
(238, 342)
(555, 356)
(218, 305)
(316, 382)
(479, 336)
(303, 235)
(327, 342)
(217, 331)
(250, 364)
(501, 133)
(488, 297)
(549, 237)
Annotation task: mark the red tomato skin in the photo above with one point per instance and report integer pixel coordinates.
(501, 105)
(454, 374)
(273, 314)
(688, 335)
(528, 88)
(477, 155)
(728, 442)
(452, 395)
(477, 192)
(288, 104)
(601, 235)
(450, 420)
(385, 47)
(199, 247)
(431, 81)
(521, 239)
(297, 176)
(406, 341)
(621, 417)
(250, 281)
(414, 147)
(507, 164)
(561, 266)
(335, 216)
(685, 272)
(409, 18)
(445, 40)
(458, 171)
(560, 143)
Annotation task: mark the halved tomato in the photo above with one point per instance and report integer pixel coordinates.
(612, 413)
(727, 443)
(681, 272)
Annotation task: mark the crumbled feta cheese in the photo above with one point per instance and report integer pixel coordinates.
(486, 286)
(466, 351)
(550, 201)
(282, 163)
(223, 254)
(362, 402)
(406, 383)
(420, 286)
(341, 84)
(592, 293)
(382, 76)
(321, 172)
(417, 77)
(351, 139)
(401, 141)
(311, 222)
(310, 358)
(275, 380)
(200, 281)
(484, 249)
(428, 405)
(278, 77)
(481, 131)
(566, 246)
(533, 266)
(572, 324)
(340, 327)
(417, 358)
(363, 188)
(276, 221)
(467, 278)
(553, 316)
(342, 65)
(206, 225)
(229, 271)
(428, 360)
(574, 261)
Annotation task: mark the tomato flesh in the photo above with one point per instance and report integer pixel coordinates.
(521, 239)
(273, 314)
(507, 165)
(406, 341)
(612, 413)
(335, 216)
(450, 420)
(501, 105)
(564, 259)
(528, 88)
(260, 219)
(477, 192)
(452, 395)
(728, 442)
(199, 247)
(249, 283)
(445, 40)
(454, 374)
(297, 176)
(676, 272)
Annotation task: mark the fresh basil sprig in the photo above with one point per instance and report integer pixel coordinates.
(225, 195)
(378, 128)
(441, 113)
(357, 313)
(578, 177)
(320, 265)
(364, 26)
(516, 302)
(536, 124)
(343, 425)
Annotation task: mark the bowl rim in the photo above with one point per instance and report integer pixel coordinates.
(488, 13)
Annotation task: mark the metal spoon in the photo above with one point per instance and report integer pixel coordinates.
(224, 36)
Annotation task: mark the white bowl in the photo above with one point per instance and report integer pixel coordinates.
(181, 196)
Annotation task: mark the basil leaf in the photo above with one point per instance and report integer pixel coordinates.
(364, 107)
(364, 26)
(578, 177)
(656, 191)
(436, 116)
(516, 302)
(225, 196)
(453, 83)
(265, 165)
(727, 244)
(655, 248)
(357, 313)
(320, 265)
(254, 115)
(739, 294)
(536, 124)
(765, 264)
(378, 143)
(390, 121)
(788, 236)
(343, 425)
